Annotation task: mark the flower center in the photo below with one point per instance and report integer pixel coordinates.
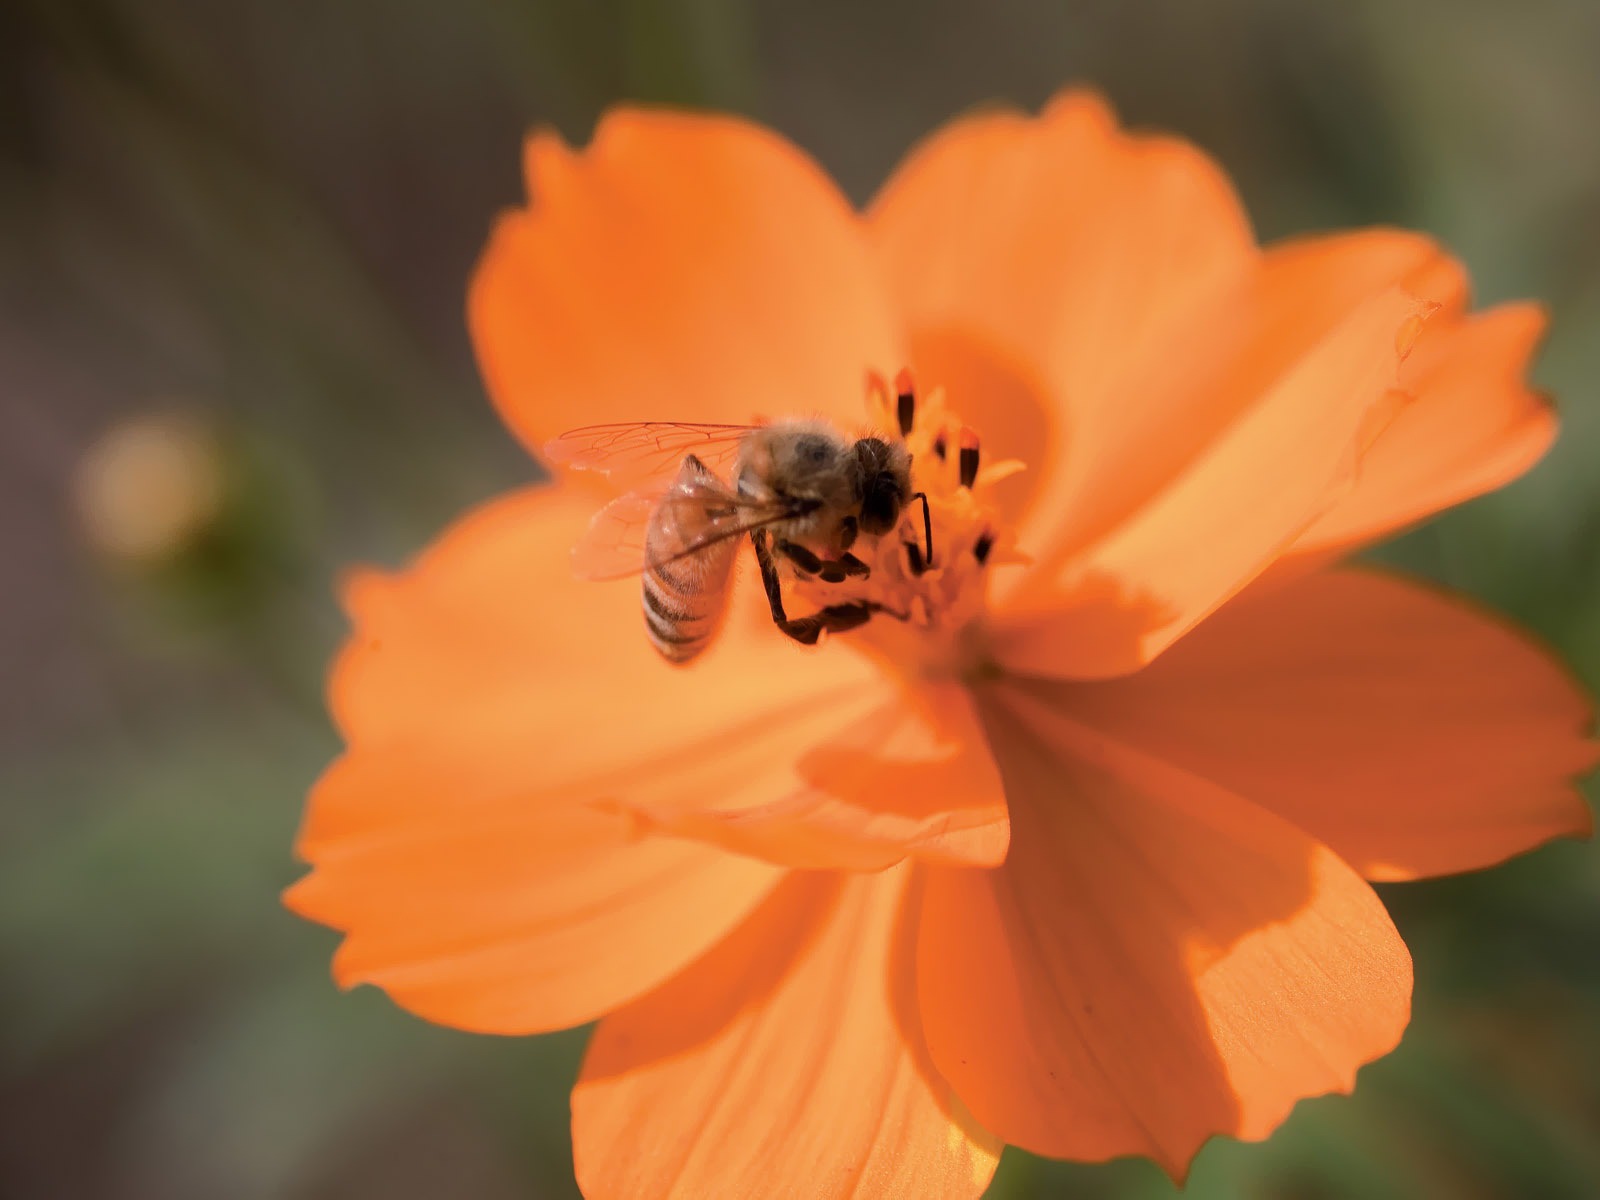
(927, 578)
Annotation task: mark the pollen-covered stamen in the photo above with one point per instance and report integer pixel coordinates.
(925, 581)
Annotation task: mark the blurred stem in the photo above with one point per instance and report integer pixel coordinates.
(557, 59)
(695, 52)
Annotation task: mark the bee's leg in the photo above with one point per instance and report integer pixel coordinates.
(846, 566)
(853, 566)
(836, 570)
(800, 556)
(769, 576)
(836, 618)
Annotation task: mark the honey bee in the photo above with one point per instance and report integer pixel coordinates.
(801, 491)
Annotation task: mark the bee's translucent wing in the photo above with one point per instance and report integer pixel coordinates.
(613, 545)
(636, 451)
(698, 514)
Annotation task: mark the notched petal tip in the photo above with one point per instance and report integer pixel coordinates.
(1405, 337)
(345, 976)
(295, 898)
(1082, 102)
(361, 590)
(1475, 425)
(1179, 1164)
(306, 898)
(546, 161)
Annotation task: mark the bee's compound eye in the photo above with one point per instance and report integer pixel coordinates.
(880, 507)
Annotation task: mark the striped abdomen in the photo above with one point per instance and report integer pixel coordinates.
(684, 598)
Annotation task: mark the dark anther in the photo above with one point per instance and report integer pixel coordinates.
(940, 448)
(833, 572)
(969, 465)
(981, 547)
(906, 411)
(905, 394)
(914, 558)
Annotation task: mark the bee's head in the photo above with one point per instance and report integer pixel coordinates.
(883, 482)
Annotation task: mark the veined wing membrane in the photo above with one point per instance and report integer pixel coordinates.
(695, 515)
(635, 451)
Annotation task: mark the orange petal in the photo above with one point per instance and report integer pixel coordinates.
(1061, 243)
(1475, 425)
(1158, 961)
(682, 267)
(902, 774)
(1411, 732)
(488, 645)
(503, 914)
(1253, 485)
(485, 695)
(780, 1064)
(1009, 400)
(1177, 405)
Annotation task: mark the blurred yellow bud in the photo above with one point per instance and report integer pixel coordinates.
(149, 487)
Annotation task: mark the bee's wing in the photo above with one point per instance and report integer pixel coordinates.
(615, 544)
(636, 451)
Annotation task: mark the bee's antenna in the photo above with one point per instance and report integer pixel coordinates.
(927, 527)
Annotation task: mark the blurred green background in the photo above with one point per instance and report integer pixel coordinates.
(234, 237)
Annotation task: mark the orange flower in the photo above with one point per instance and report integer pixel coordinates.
(1069, 848)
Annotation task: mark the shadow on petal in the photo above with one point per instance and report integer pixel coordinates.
(1157, 962)
(774, 1064)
